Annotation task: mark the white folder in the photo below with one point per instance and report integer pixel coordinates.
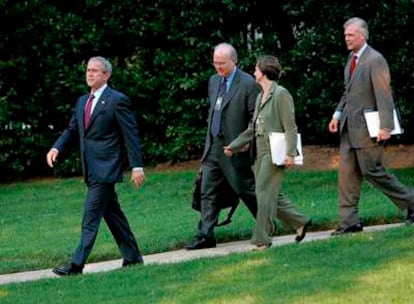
(373, 123)
(278, 148)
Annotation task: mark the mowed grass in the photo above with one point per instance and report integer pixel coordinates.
(361, 268)
(40, 228)
(40, 220)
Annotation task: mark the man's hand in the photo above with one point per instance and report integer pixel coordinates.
(51, 157)
(383, 135)
(228, 151)
(289, 161)
(333, 125)
(138, 177)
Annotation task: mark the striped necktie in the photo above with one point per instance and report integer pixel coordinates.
(88, 109)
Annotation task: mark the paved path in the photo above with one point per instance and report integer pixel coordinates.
(178, 255)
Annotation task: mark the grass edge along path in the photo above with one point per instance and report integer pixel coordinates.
(40, 221)
(180, 255)
(361, 268)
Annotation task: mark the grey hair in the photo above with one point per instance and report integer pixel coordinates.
(107, 66)
(230, 49)
(360, 23)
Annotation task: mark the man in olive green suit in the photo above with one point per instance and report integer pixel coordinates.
(232, 94)
(367, 87)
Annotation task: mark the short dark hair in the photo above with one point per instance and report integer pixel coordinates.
(270, 66)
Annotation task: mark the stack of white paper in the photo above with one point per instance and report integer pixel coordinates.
(278, 149)
(373, 123)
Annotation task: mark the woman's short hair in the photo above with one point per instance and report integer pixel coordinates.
(270, 66)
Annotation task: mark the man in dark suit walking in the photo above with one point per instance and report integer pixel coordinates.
(104, 122)
(367, 87)
(232, 94)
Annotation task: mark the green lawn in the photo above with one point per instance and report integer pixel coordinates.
(40, 224)
(362, 268)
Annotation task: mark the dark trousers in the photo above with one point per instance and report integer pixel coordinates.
(102, 201)
(218, 169)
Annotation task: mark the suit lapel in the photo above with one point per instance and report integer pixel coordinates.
(347, 68)
(100, 105)
(217, 88)
(358, 68)
(272, 91)
(232, 89)
(260, 104)
(81, 110)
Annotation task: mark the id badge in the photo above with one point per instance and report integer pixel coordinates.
(218, 103)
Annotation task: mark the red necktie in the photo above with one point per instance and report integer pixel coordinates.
(353, 64)
(88, 109)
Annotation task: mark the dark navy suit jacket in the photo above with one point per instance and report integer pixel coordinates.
(112, 127)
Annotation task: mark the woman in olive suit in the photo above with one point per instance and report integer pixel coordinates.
(274, 112)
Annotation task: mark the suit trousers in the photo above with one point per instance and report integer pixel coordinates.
(102, 201)
(358, 163)
(271, 202)
(217, 170)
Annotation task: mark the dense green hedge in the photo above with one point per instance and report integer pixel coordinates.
(161, 51)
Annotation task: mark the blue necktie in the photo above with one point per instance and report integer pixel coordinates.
(216, 119)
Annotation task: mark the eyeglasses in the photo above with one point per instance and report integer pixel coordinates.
(219, 64)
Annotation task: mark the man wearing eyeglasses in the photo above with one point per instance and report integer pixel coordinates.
(232, 94)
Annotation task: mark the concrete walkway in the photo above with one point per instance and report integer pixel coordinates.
(179, 255)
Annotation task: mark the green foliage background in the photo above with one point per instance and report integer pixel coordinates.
(161, 51)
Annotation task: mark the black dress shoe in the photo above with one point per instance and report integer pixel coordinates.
(351, 229)
(301, 232)
(132, 263)
(201, 243)
(67, 270)
(410, 216)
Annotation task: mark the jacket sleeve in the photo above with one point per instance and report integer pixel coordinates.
(243, 138)
(286, 112)
(380, 79)
(69, 134)
(129, 130)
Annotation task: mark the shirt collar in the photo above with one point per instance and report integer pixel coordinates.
(361, 50)
(230, 78)
(99, 92)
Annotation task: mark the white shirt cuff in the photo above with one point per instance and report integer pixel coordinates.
(337, 115)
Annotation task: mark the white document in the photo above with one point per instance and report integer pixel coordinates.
(278, 149)
(373, 123)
